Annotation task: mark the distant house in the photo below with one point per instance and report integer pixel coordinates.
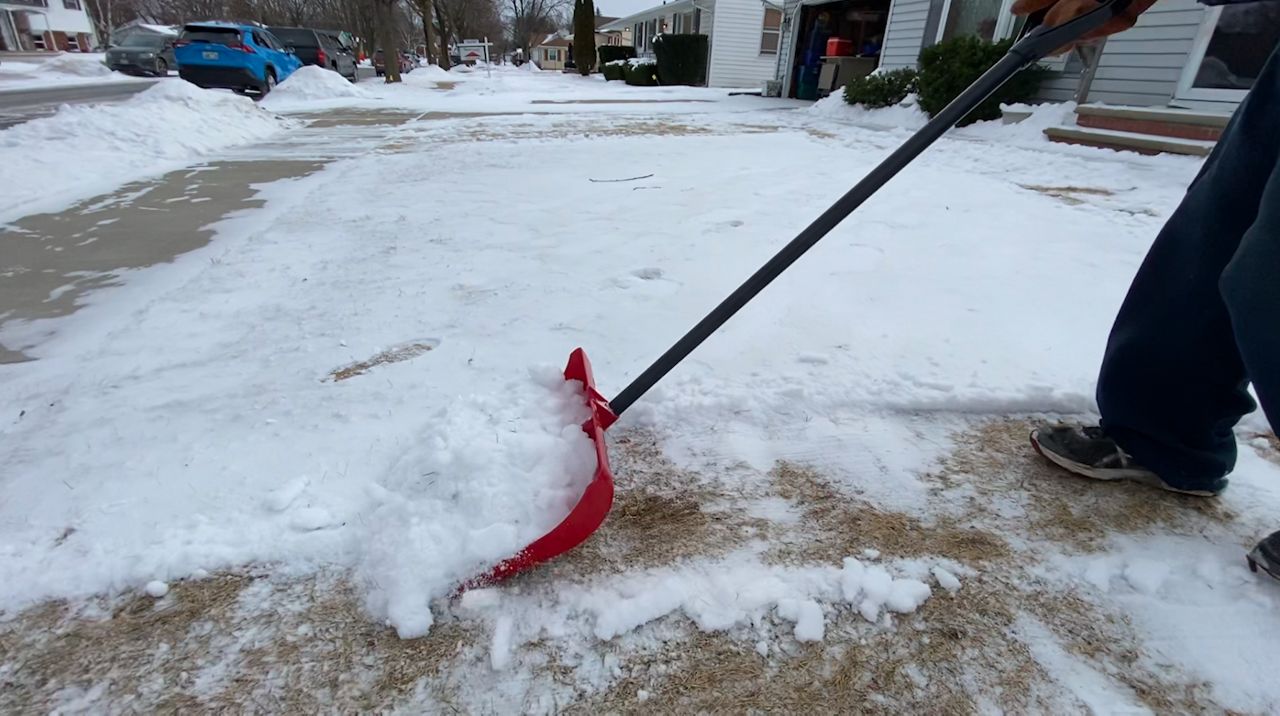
(137, 27)
(743, 36)
(553, 53)
(45, 25)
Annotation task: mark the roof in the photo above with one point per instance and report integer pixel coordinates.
(669, 8)
(602, 20)
(556, 42)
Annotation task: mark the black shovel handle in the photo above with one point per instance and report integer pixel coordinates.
(1036, 45)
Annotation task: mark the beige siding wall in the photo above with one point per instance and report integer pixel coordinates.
(736, 60)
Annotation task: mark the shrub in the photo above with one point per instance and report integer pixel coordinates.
(611, 53)
(682, 59)
(642, 73)
(883, 89)
(616, 70)
(947, 68)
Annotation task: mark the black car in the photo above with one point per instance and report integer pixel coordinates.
(143, 54)
(319, 48)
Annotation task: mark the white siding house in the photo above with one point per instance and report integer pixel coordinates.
(743, 36)
(53, 25)
(1180, 53)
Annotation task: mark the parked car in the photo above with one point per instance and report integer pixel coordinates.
(243, 58)
(318, 48)
(380, 65)
(143, 54)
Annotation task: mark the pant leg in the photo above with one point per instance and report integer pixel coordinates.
(1173, 381)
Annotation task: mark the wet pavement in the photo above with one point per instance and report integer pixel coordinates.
(50, 262)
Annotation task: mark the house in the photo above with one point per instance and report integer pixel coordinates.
(618, 38)
(45, 25)
(137, 27)
(553, 53)
(743, 36)
(1177, 74)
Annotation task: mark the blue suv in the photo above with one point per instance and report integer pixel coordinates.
(243, 58)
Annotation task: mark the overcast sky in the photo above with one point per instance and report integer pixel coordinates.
(622, 8)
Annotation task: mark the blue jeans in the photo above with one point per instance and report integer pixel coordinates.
(1202, 318)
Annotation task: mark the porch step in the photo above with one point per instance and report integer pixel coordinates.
(1158, 121)
(1132, 141)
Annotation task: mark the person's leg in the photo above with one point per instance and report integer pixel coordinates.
(1173, 381)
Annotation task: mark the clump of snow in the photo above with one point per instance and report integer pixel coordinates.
(491, 474)
(1029, 129)
(164, 127)
(76, 64)
(946, 580)
(530, 67)
(807, 615)
(156, 588)
(309, 83)
(429, 73)
(906, 114)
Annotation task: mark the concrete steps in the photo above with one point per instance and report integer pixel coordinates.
(1147, 130)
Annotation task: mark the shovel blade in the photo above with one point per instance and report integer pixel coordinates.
(586, 516)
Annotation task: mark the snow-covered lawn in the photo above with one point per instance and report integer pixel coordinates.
(71, 69)
(309, 430)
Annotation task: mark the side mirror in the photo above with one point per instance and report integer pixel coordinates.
(289, 49)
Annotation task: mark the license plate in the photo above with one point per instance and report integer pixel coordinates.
(210, 55)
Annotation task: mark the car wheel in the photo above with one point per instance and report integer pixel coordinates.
(270, 85)
(162, 68)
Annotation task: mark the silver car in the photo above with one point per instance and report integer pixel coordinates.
(143, 54)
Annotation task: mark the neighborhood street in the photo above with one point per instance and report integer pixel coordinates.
(279, 376)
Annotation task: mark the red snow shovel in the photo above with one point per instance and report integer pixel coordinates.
(594, 505)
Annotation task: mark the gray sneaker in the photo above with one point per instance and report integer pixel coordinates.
(1089, 452)
(1266, 556)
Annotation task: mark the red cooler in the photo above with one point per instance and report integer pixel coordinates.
(839, 47)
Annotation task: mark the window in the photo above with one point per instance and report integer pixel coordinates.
(71, 4)
(553, 55)
(771, 31)
(28, 3)
(976, 18)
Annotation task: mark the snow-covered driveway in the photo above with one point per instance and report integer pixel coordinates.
(312, 425)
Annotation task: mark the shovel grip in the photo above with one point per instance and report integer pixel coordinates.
(1036, 45)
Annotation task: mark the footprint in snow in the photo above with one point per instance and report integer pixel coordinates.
(650, 273)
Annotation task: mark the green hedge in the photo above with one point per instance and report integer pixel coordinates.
(609, 53)
(947, 68)
(643, 74)
(682, 59)
(883, 89)
(614, 72)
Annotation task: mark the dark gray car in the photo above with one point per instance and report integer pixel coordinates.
(143, 54)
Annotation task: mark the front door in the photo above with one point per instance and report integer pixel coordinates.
(1229, 52)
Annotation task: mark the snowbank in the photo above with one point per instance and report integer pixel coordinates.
(492, 474)
(160, 129)
(309, 84)
(78, 65)
(907, 114)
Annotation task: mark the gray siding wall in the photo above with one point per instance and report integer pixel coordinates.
(904, 35)
(1142, 65)
(736, 60)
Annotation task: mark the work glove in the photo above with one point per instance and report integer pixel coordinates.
(1062, 10)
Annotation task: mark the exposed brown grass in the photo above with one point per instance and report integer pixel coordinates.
(838, 525)
(1069, 194)
(1269, 451)
(994, 462)
(394, 354)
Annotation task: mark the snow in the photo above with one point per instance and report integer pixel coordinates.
(906, 114)
(488, 475)
(71, 69)
(167, 126)
(186, 420)
(308, 84)
(156, 588)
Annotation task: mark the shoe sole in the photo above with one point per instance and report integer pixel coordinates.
(1140, 477)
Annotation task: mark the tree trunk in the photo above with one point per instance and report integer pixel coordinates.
(445, 62)
(387, 38)
(424, 9)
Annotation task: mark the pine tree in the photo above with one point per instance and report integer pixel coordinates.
(584, 36)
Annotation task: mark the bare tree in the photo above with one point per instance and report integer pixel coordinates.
(531, 20)
(387, 38)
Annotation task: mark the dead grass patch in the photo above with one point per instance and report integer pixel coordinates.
(837, 525)
(1270, 450)
(394, 354)
(994, 463)
(1068, 194)
(662, 514)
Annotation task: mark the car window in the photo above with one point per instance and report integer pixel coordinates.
(216, 35)
(294, 36)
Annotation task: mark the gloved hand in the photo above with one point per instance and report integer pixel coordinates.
(1062, 10)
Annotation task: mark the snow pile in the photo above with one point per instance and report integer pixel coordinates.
(310, 83)
(75, 64)
(1029, 130)
(492, 474)
(906, 114)
(530, 67)
(429, 73)
(160, 129)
